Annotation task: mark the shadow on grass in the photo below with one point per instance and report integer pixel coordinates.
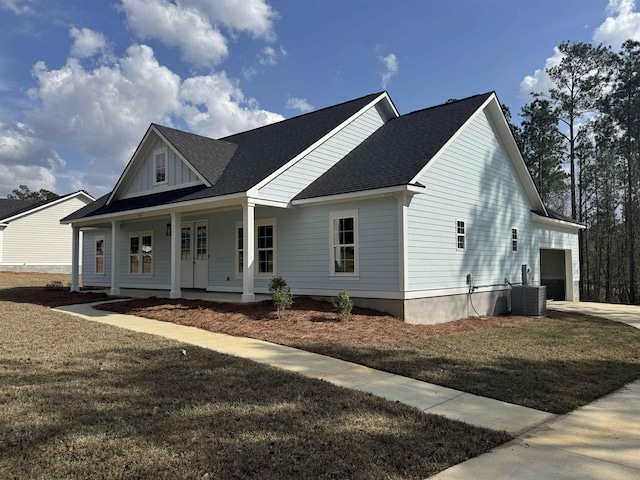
(156, 413)
(552, 385)
(50, 297)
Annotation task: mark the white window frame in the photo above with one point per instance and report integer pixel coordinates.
(333, 216)
(514, 240)
(140, 254)
(96, 239)
(154, 173)
(258, 223)
(462, 235)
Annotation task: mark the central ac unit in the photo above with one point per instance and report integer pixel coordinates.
(529, 300)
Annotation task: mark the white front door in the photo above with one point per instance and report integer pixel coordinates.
(194, 255)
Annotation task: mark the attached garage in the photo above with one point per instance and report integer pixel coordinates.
(555, 273)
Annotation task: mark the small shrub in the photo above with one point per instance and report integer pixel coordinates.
(280, 295)
(343, 304)
(56, 285)
(277, 283)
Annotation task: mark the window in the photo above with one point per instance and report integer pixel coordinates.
(141, 253)
(160, 167)
(265, 247)
(344, 243)
(461, 235)
(99, 255)
(514, 240)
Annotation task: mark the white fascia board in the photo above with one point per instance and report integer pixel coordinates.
(192, 205)
(555, 222)
(411, 189)
(268, 203)
(254, 191)
(453, 138)
(514, 153)
(50, 204)
(129, 165)
(3, 225)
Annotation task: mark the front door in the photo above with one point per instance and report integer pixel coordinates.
(194, 255)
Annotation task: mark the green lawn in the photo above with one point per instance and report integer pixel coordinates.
(86, 400)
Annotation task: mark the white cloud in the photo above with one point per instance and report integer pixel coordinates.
(268, 56)
(254, 17)
(249, 72)
(299, 104)
(19, 7)
(26, 159)
(391, 68)
(103, 112)
(622, 24)
(194, 25)
(86, 42)
(540, 82)
(216, 107)
(185, 28)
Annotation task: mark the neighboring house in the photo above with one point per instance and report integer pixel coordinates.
(398, 209)
(32, 239)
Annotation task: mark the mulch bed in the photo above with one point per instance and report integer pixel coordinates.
(55, 297)
(309, 319)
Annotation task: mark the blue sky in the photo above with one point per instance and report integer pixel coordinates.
(80, 80)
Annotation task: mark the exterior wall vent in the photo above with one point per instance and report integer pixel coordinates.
(529, 300)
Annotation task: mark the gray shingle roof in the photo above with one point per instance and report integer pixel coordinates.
(397, 151)
(9, 208)
(207, 155)
(238, 162)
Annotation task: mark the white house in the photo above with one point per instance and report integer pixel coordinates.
(32, 239)
(399, 209)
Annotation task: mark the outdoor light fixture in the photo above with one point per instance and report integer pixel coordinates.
(168, 229)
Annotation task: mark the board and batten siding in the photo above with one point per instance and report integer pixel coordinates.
(300, 175)
(38, 238)
(475, 181)
(177, 173)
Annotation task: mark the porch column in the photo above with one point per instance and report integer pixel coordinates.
(75, 260)
(176, 237)
(248, 227)
(115, 255)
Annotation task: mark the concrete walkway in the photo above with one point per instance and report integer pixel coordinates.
(598, 441)
(453, 404)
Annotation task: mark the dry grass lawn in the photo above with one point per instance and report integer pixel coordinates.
(556, 364)
(86, 400)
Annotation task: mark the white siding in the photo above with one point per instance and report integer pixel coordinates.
(89, 277)
(303, 247)
(474, 180)
(300, 175)
(302, 237)
(178, 173)
(38, 238)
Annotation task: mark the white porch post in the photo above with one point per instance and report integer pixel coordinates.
(176, 237)
(248, 226)
(115, 254)
(75, 260)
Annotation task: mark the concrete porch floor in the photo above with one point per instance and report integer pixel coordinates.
(187, 293)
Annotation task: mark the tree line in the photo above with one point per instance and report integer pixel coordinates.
(581, 142)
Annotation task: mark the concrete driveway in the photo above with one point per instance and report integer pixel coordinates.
(629, 314)
(598, 441)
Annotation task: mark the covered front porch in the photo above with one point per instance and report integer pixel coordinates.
(130, 251)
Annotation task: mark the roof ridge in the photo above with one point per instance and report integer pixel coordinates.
(308, 113)
(450, 103)
(191, 133)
